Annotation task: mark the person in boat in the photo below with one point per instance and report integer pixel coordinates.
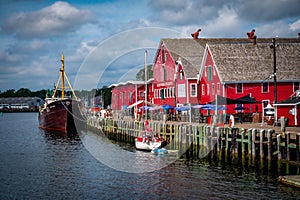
(196, 34)
(251, 36)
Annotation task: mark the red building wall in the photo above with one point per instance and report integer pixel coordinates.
(210, 83)
(285, 111)
(167, 80)
(125, 95)
(284, 91)
(163, 70)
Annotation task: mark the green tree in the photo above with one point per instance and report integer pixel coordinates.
(23, 92)
(140, 76)
(8, 93)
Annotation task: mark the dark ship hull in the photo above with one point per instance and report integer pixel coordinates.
(62, 115)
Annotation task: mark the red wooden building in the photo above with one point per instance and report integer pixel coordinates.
(175, 69)
(290, 109)
(234, 68)
(127, 93)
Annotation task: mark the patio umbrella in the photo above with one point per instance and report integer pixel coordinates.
(208, 107)
(145, 107)
(198, 106)
(155, 108)
(222, 108)
(240, 108)
(166, 106)
(182, 108)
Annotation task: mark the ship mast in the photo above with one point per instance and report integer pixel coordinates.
(62, 71)
(63, 76)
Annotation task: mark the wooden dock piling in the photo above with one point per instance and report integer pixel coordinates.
(202, 139)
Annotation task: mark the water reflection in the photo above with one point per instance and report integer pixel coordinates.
(35, 164)
(119, 158)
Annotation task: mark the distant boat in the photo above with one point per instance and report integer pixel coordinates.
(62, 113)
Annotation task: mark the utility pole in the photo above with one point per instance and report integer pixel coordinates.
(146, 85)
(273, 46)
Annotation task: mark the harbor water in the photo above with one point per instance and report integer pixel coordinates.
(35, 164)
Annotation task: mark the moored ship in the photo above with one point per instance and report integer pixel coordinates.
(62, 113)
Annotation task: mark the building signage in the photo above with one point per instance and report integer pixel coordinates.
(164, 84)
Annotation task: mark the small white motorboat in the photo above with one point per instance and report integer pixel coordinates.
(147, 141)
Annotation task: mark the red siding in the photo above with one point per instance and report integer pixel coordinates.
(121, 95)
(209, 81)
(164, 74)
(285, 111)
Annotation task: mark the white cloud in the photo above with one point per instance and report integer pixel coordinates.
(225, 25)
(295, 26)
(276, 29)
(56, 19)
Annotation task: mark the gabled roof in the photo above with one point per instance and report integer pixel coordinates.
(127, 83)
(189, 50)
(238, 60)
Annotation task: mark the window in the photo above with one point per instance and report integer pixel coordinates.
(265, 103)
(122, 100)
(239, 88)
(163, 55)
(164, 74)
(166, 92)
(174, 92)
(265, 87)
(209, 73)
(296, 86)
(162, 93)
(205, 72)
(130, 97)
(212, 88)
(181, 90)
(218, 88)
(142, 94)
(203, 89)
(207, 90)
(193, 90)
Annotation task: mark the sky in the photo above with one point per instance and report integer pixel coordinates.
(104, 42)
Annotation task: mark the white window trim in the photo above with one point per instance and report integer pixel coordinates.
(191, 90)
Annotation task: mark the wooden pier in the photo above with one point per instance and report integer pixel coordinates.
(196, 140)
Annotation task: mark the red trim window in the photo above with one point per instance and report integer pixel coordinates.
(193, 90)
(265, 87)
(203, 89)
(239, 88)
(218, 88)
